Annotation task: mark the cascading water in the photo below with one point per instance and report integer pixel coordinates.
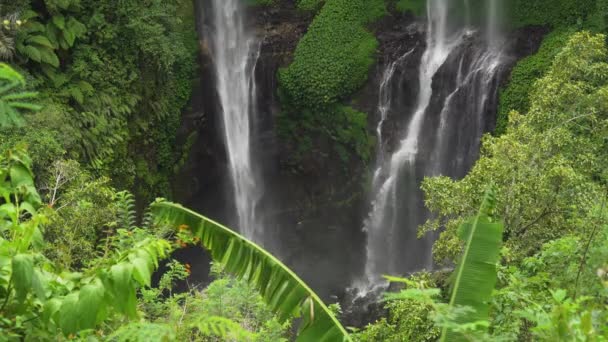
(493, 25)
(398, 210)
(382, 225)
(385, 97)
(235, 55)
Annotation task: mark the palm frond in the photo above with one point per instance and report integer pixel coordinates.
(475, 275)
(286, 294)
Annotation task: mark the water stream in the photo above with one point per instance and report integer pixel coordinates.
(235, 53)
(456, 83)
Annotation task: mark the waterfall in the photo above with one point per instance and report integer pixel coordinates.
(449, 143)
(382, 224)
(235, 53)
(385, 97)
(493, 25)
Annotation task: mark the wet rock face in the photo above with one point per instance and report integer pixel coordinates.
(467, 98)
(398, 35)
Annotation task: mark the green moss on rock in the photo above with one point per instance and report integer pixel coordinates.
(516, 96)
(556, 13)
(418, 7)
(331, 62)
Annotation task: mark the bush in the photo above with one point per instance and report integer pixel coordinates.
(331, 62)
(556, 13)
(516, 95)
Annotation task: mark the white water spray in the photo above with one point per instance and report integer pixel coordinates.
(494, 23)
(235, 53)
(381, 226)
(396, 210)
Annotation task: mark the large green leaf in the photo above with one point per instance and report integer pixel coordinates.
(281, 288)
(123, 288)
(69, 314)
(475, 275)
(23, 272)
(89, 304)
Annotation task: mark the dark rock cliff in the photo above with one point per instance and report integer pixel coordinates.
(313, 221)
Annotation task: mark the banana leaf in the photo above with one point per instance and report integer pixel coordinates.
(286, 294)
(475, 275)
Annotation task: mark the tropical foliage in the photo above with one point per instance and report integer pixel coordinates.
(331, 62)
(103, 290)
(13, 99)
(91, 97)
(40, 302)
(112, 76)
(284, 292)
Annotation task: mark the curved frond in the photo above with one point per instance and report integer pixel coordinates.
(281, 288)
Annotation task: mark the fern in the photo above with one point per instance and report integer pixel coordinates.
(33, 43)
(126, 210)
(64, 32)
(12, 99)
(224, 328)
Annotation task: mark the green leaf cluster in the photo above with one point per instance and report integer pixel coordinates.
(550, 166)
(330, 63)
(333, 58)
(515, 96)
(563, 18)
(39, 301)
(113, 77)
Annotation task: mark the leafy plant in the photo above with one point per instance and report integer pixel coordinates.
(330, 63)
(475, 275)
(38, 302)
(32, 41)
(466, 316)
(13, 99)
(284, 291)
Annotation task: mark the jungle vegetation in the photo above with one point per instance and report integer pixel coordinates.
(91, 96)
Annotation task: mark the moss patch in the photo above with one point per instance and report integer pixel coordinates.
(331, 62)
(516, 96)
(556, 13)
(418, 7)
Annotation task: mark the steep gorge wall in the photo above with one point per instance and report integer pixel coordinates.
(314, 209)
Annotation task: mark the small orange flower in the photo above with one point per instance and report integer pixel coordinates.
(183, 227)
(188, 270)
